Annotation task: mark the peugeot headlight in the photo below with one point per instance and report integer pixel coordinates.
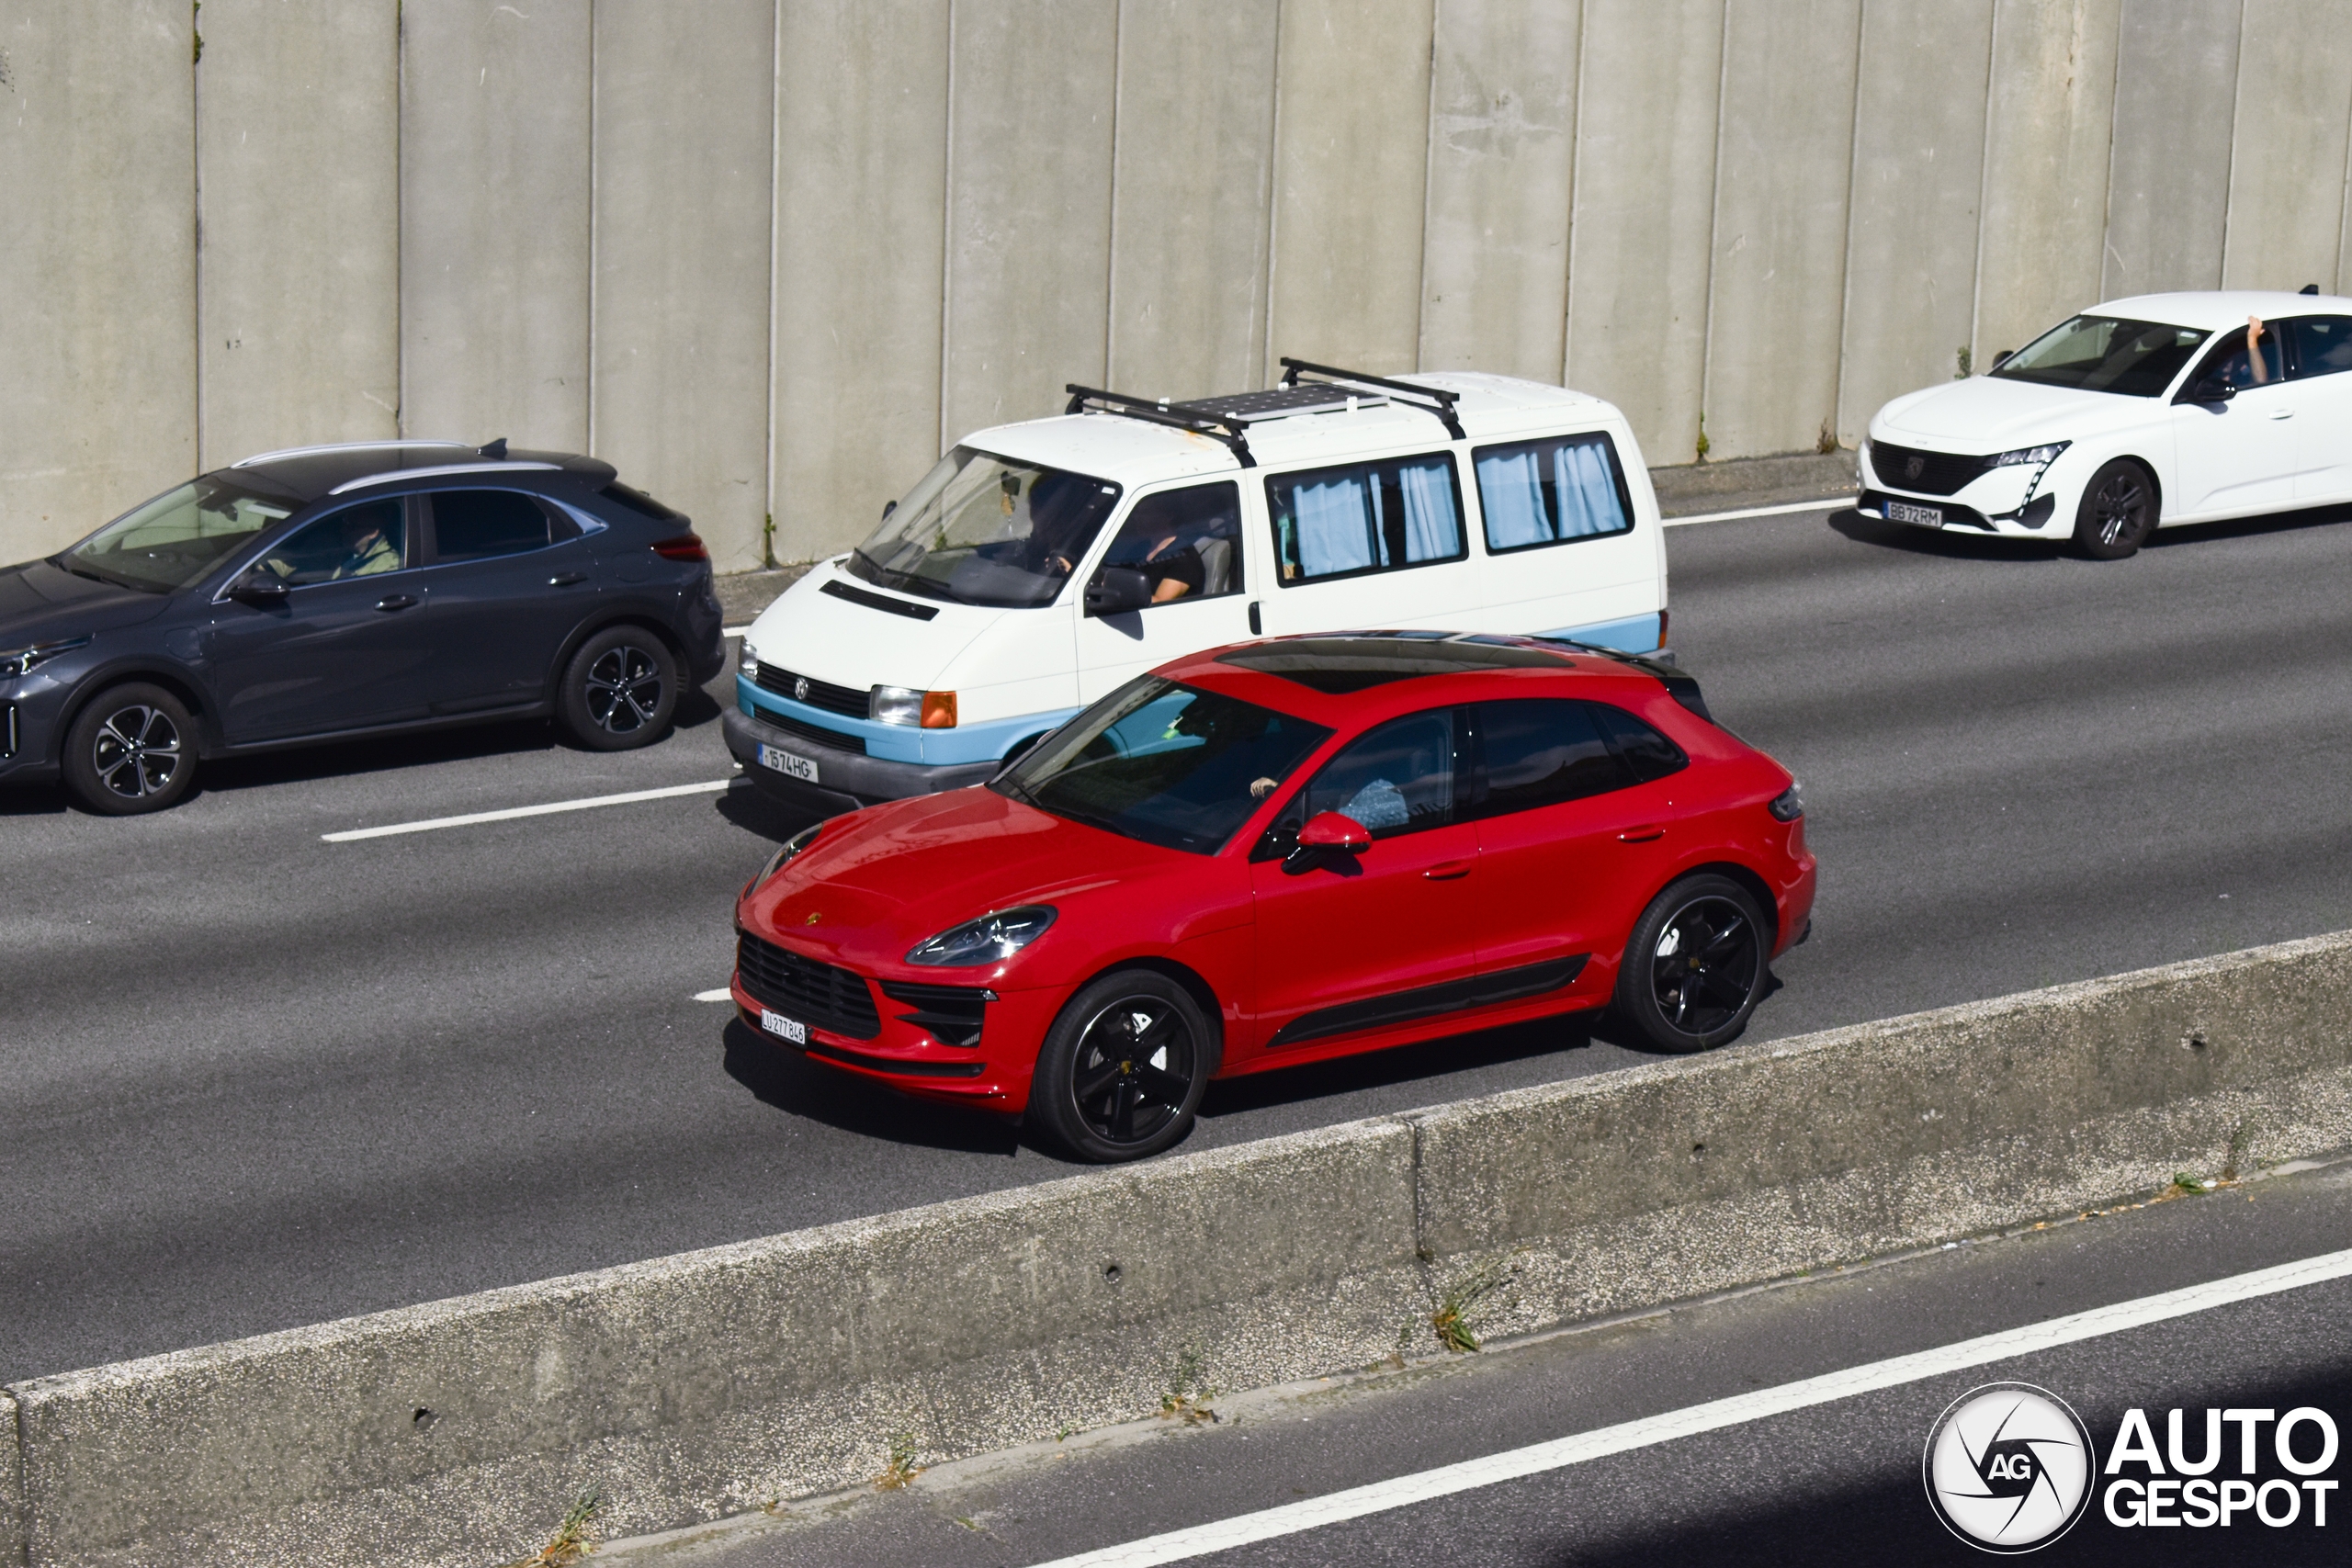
(792, 846)
(988, 940)
(2029, 457)
(25, 660)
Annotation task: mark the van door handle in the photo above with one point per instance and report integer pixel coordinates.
(395, 602)
(1646, 833)
(566, 579)
(1448, 870)
(1257, 628)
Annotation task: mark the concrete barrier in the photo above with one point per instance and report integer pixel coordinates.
(719, 1380)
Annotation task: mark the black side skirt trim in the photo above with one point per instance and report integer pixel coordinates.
(1429, 1001)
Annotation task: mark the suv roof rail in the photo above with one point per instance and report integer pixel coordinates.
(1430, 400)
(1232, 432)
(338, 446)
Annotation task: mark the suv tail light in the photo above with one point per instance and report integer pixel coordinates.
(682, 546)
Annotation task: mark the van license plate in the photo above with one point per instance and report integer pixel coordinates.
(1926, 516)
(785, 762)
(792, 1029)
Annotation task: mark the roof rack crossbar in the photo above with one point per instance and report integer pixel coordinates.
(1439, 402)
(1176, 416)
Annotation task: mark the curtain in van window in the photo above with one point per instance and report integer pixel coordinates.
(1539, 492)
(1510, 491)
(1333, 534)
(1433, 529)
(1588, 493)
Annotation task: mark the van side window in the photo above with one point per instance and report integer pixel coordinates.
(1551, 491)
(1187, 543)
(1365, 517)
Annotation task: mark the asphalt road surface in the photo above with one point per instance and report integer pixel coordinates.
(1832, 1484)
(256, 1079)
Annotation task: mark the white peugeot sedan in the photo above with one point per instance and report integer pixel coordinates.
(2134, 415)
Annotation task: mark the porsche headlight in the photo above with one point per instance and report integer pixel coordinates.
(2029, 457)
(988, 940)
(792, 846)
(25, 660)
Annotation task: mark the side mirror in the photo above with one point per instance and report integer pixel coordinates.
(1335, 830)
(2212, 389)
(887, 508)
(259, 589)
(1116, 590)
(2003, 358)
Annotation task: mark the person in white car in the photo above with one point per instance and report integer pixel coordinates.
(2137, 414)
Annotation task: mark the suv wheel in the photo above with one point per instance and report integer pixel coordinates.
(619, 690)
(1123, 1067)
(1695, 965)
(132, 750)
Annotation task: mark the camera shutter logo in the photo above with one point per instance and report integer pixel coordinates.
(2007, 1466)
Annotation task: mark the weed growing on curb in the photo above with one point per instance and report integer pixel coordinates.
(1186, 1397)
(573, 1539)
(1828, 441)
(1966, 362)
(2186, 1186)
(902, 1467)
(1703, 438)
(1451, 1321)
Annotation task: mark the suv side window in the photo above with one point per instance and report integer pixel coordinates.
(2323, 346)
(1186, 542)
(359, 541)
(1397, 778)
(1365, 517)
(1650, 755)
(1536, 752)
(1551, 491)
(474, 525)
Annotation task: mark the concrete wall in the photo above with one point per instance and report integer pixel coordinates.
(726, 1380)
(770, 255)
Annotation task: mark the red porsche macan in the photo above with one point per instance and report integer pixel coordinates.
(1280, 852)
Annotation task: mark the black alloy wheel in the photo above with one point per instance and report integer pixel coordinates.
(1123, 1069)
(1695, 965)
(132, 751)
(2118, 511)
(619, 690)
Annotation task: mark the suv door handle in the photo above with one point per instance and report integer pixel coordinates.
(566, 579)
(1447, 870)
(395, 602)
(1643, 834)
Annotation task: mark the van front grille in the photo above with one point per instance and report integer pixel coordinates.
(847, 701)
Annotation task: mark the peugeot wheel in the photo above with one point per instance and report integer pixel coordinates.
(619, 690)
(1695, 965)
(1123, 1067)
(2118, 511)
(133, 749)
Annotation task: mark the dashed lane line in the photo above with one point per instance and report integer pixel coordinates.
(1404, 1491)
(720, 995)
(551, 808)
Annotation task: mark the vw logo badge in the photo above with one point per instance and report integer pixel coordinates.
(800, 690)
(1914, 467)
(2009, 1467)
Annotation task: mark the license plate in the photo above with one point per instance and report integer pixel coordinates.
(792, 1029)
(1904, 511)
(785, 762)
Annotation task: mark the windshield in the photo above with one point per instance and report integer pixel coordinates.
(984, 530)
(1176, 767)
(178, 537)
(2104, 353)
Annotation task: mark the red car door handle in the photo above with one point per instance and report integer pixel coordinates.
(1447, 870)
(394, 601)
(1641, 835)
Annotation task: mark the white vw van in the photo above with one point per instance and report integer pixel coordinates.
(1040, 565)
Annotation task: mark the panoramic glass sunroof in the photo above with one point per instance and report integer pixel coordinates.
(1340, 664)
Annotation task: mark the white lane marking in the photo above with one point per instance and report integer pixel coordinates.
(733, 631)
(1406, 1490)
(712, 787)
(1761, 511)
(720, 995)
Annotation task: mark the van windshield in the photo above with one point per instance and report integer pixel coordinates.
(2104, 353)
(986, 530)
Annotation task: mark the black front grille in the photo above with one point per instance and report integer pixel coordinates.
(848, 701)
(1937, 473)
(816, 733)
(953, 1015)
(832, 999)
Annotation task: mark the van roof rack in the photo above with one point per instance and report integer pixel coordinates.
(1230, 430)
(1430, 400)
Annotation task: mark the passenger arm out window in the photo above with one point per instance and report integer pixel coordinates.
(1186, 543)
(1552, 491)
(1365, 517)
(365, 540)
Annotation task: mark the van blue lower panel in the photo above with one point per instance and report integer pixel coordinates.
(1638, 635)
(904, 743)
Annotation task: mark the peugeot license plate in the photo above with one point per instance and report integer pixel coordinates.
(1926, 516)
(792, 1029)
(785, 762)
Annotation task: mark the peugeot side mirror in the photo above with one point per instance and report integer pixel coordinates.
(2212, 391)
(1117, 589)
(887, 508)
(2003, 358)
(259, 589)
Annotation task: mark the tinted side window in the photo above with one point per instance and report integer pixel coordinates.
(1396, 779)
(1365, 517)
(1549, 491)
(469, 524)
(1187, 542)
(2323, 345)
(1648, 753)
(359, 541)
(1540, 752)
(637, 501)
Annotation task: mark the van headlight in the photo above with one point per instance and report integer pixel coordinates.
(2029, 457)
(988, 940)
(747, 663)
(916, 710)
